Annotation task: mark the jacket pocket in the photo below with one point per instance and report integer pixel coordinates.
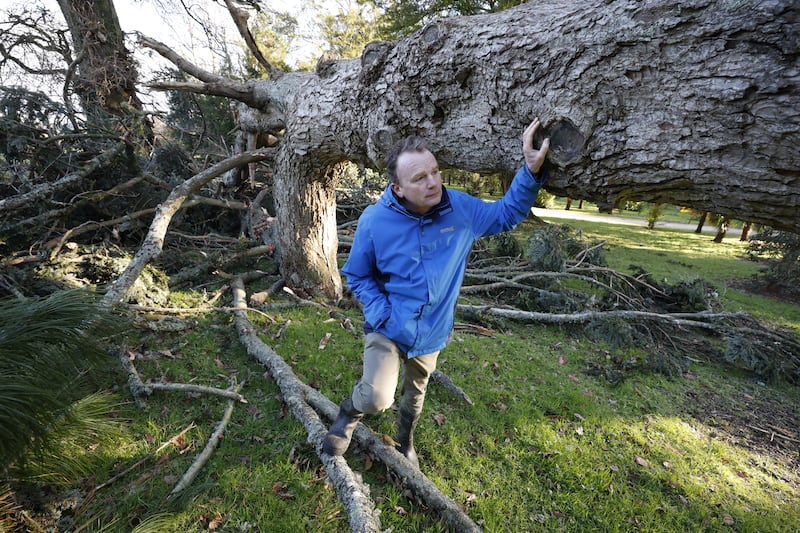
(401, 327)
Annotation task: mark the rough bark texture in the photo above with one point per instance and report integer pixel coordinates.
(106, 74)
(305, 195)
(693, 103)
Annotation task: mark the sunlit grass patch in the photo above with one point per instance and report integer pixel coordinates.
(547, 446)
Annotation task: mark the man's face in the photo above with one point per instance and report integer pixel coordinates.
(418, 181)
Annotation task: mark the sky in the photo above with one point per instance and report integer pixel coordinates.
(175, 29)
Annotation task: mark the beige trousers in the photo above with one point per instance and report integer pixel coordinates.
(375, 390)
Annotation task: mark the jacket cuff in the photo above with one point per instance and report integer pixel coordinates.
(539, 178)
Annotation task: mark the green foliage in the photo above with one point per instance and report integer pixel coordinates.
(349, 30)
(403, 17)
(47, 346)
(551, 246)
(474, 183)
(506, 245)
(274, 32)
(544, 199)
(27, 118)
(653, 214)
(200, 120)
(782, 251)
(86, 423)
(691, 296)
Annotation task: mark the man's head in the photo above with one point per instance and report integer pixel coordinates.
(414, 174)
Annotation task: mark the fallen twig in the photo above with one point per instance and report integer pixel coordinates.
(773, 433)
(140, 388)
(154, 241)
(205, 455)
(445, 381)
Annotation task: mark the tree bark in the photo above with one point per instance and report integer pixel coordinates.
(701, 222)
(745, 235)
(106, 73)
(694, 104)
(722, 229)
(307, 241)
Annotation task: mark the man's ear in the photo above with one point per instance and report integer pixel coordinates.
(397, 189)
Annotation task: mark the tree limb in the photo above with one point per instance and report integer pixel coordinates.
(212, 83)
(411, 477)
(139, 388)
(43, 189)
(154, 241)
(352, 493)
(695, 320)
(240, 17)
(205, 455)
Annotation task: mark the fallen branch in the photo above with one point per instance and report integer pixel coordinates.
(702, 320)
(135, 383)
(84, 200)
(350, 490)
(139, 388)
(205, 455)
(773, 433)
(444, 380)
(410, 476)
(42, 190)
(217, 261)
(154, 241)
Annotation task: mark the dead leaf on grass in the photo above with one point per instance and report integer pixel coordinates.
(259, 298)
(324, 341)
(641, 461)
(439, 419)
(389, 441)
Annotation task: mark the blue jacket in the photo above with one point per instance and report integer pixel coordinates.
(406, 269)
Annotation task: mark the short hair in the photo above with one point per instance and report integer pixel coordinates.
(407, 144)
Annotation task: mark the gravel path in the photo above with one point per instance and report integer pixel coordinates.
(573, 214)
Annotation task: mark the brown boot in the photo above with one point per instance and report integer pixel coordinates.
(338, 438)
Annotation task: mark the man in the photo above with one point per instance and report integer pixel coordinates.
(406, 266)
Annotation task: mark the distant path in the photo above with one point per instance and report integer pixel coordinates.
(573, 214)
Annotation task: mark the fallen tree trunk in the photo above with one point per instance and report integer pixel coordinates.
(691, 104)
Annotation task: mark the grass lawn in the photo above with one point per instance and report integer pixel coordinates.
(546, 446)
